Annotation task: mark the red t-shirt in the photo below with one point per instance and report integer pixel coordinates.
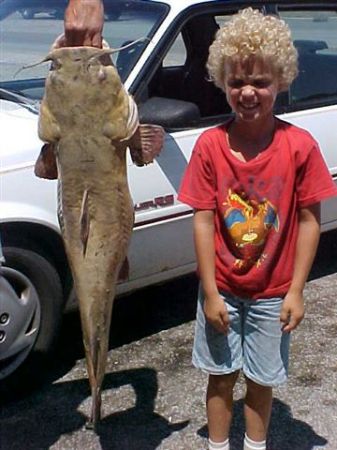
(256, 204)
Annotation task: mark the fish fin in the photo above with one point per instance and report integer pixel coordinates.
(59, 206)
(123, 133)
(146, 143)
(45, 166)
(123, 274)
(133, 120)
(85, 221)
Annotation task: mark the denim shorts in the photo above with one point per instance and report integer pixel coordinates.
(254, 344)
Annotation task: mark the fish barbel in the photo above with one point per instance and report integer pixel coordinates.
(88, 120)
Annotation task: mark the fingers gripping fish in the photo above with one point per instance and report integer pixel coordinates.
(88, 120)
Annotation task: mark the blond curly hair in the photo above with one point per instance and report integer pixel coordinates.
(250, 33)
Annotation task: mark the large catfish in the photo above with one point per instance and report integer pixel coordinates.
(88, 120)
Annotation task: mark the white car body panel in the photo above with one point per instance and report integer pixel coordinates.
(322, 125)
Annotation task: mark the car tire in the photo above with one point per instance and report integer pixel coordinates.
(27, 14)
(46, 314)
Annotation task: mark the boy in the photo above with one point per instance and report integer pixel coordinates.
(255, 184)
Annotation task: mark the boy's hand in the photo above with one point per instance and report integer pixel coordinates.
(292, 311)
(216, 313)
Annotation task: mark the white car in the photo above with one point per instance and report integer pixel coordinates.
(167, 77)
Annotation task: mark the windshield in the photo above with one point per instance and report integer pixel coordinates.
(28, 30)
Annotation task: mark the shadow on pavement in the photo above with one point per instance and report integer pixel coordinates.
(285, 432)
(138, 315)
(135, 316)
(139, 427)
(54, 411)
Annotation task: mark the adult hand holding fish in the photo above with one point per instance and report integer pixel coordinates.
(83, 24)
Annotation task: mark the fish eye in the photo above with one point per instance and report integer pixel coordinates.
(91, 65)
(94, 61)
(56, 64)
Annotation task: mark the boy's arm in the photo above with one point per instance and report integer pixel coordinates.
(214, 306)
(292, 311)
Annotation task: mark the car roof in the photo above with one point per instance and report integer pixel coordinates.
(183, 4)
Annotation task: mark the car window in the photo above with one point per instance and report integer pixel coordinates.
(176, 56)
(180, 95)
(315, 37)
(29, 27)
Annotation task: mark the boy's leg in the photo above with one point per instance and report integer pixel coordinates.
(220, 405)
(257, 409)
(265, 365)
(220, 355)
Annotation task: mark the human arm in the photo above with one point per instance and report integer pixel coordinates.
(83, 23)
(292, 311)
(214, 307)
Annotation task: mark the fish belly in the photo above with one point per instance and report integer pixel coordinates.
(96, 220)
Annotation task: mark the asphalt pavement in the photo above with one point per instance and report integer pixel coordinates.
(154, 399)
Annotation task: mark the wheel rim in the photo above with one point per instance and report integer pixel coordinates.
(20, 319)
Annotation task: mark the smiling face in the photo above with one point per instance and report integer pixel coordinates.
(251, 88)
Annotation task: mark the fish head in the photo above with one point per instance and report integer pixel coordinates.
(85, 63)
(82, 71)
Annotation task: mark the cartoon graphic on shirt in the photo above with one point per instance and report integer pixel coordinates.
(248, 223)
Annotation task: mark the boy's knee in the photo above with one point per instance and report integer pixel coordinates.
(223, 383)
(256, 389)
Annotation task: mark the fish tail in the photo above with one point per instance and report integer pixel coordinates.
(96, 359)
(95, 415)
(85, 221)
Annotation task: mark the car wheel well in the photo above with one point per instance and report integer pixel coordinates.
(35, 312)
(44, 241)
